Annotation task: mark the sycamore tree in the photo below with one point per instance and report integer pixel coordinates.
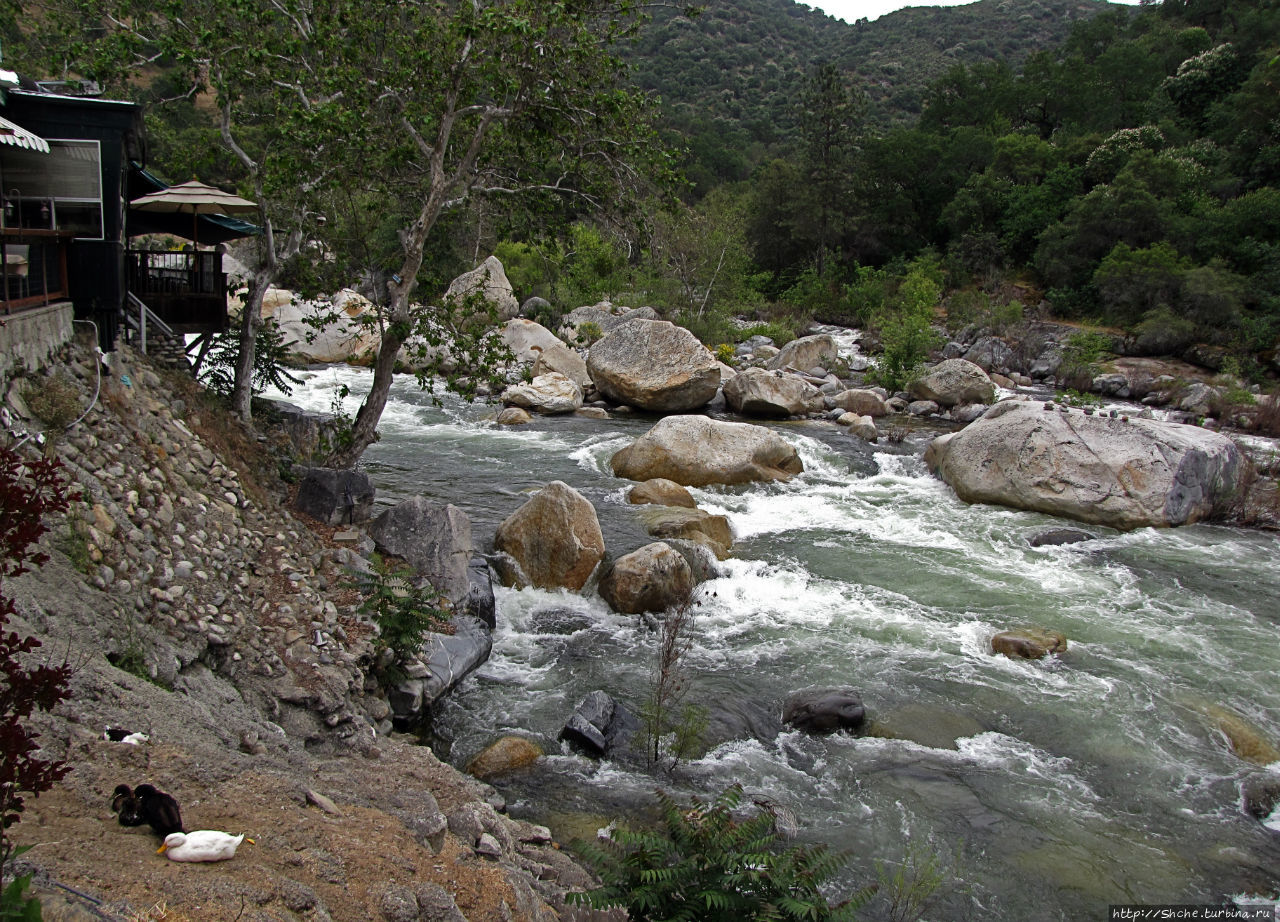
(440, 103)
(422, 105)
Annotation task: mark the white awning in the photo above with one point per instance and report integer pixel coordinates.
(20, 137)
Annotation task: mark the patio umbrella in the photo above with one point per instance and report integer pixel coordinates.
(195, 198)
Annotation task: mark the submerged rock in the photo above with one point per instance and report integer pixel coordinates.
(825, 710)
(1028, 643)
(1055, 537)
(504, 756)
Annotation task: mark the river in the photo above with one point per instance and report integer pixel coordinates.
(1042, 790)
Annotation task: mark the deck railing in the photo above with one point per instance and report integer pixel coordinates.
(188, 290)
(33, 266)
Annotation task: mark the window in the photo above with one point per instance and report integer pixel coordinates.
(60, 190)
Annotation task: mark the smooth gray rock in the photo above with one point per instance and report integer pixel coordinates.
(444, 660)
(806, 352)
(1121, 473)
(335, 496)
(654, 365)
(479, 602)
(434, 539)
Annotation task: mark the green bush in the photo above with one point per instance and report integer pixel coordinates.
(707, 865)
(906, 331)
(403, 612)
(271, 352)
(1080, 358)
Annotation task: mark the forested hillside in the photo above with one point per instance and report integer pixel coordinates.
(731, 78)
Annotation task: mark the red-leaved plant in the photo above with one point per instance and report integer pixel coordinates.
(29, 490)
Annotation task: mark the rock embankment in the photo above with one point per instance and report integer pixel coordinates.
(201, 613)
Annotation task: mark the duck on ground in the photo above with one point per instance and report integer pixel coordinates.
(125, 805)
(201, 845)
(159, 809)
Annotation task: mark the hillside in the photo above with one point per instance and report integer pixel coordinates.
(736, 70)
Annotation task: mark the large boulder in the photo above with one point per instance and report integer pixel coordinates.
(504, 756)
(604, 315)
(527, 340)
(652, 578)
(489, 280)
(342, 335)
(862, 401)
(434, 539)
(654, 365)
(756, 392)
(335, 496)
(807, 352)
(560, 358)
(696, 451)
(1123, 473)
(551, 394)
(555, 538)
(953, 382)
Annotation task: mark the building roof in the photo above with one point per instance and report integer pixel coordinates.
(11, 133)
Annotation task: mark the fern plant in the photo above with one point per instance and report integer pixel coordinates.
(705, 864)
(403, 612)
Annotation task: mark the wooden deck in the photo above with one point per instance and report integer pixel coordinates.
(187, 289)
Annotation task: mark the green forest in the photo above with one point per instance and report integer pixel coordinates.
(1113, 166)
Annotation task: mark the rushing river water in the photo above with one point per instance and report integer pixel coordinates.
(1048, 790)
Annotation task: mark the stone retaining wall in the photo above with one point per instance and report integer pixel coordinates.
(31, 336)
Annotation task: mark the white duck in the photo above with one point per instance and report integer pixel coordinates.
(201, 845)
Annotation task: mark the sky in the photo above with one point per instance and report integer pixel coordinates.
(850, 10)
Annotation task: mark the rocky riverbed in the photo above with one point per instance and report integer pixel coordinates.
(196, 610)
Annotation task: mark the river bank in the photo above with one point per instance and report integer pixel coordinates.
(198, 611)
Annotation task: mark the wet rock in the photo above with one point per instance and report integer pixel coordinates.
(660, 492)
(555, 537)
(479, 602)
(652, 578)
(707, 529)
(514, 416)
(442, 662)
(824, 710)
(697, 451)
(599, 724)
(1028, 643)
(504, 756)
(1055, 537)
(923, 408)
(930, 726)
(1260, 794)
(864, 427)
(335, 497)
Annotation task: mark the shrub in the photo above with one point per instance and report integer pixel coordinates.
(665, 712)
(270, 354)
(56, 402)
(403, 612)
(1080, 358)
(724, 354)
(906, 331)
(705, 864)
